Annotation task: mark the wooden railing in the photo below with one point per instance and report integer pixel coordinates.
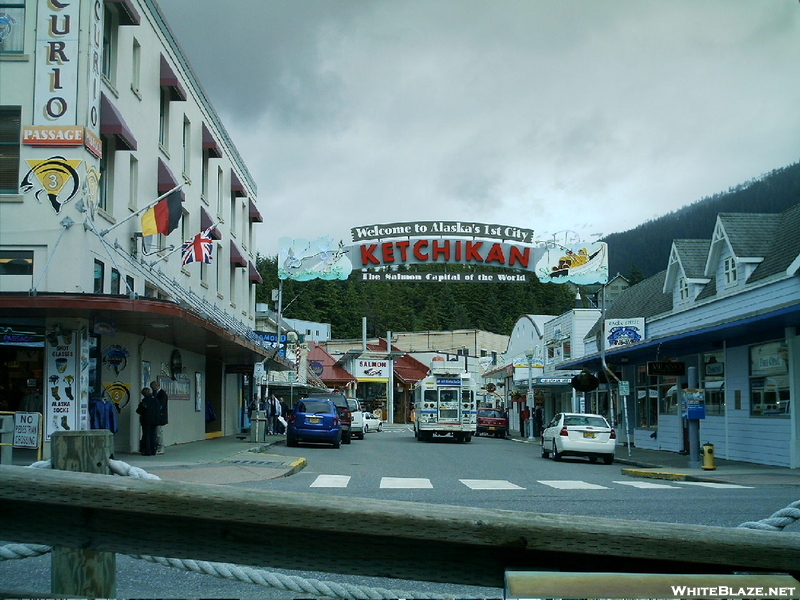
(406, 540)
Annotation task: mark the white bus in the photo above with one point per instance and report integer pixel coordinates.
(445, 404)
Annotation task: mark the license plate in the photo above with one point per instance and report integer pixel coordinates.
(313, 419)
(588, 434)
(492, 428)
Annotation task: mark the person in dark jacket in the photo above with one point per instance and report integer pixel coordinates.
(149, 411)
(162, 398)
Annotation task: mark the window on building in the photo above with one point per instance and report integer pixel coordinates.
(187, 147)
(110, 29)
(16, 262)
(136, 66)
(232, 295)
(105, 199)
(683, 288)
(99, 276)
(566, 350)
(730, 270)
(115, 281)
(713, 382)
(220, 190)
(234, 211)
(769, 380)
(204, 176)
(129, 284)
(220, 268)
(646, 399)
(12, 27)
(163, 119)
(9, 148)
(150, 291)
(133, 183)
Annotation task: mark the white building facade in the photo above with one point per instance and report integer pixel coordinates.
(100, 115)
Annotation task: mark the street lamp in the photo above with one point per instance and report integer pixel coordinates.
(530, 353)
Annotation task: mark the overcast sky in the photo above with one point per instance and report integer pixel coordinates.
(552, 115)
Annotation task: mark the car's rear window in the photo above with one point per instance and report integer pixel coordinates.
(580, 420)
(314, 406)
(491, 414)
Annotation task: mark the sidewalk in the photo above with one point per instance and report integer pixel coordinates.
(662, 464)
(224, 460)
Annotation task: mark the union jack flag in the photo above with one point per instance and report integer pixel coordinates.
(199, 248)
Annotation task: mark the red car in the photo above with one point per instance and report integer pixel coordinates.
(492, 421)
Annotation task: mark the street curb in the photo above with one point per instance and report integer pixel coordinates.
(296, 466)
(667, 475)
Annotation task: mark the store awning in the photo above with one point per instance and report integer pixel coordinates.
(128, 15)
(170, 81)
(255, 276)
(255, 215)
(236, 185)
(166, 180)
(210, 144)
(206, 221)
(237, 258)
(112, 124)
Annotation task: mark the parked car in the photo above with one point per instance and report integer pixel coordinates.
(372, 422)
(345, 416)
(357, 423)
(314, 420)
(492, 421)
(579, 434)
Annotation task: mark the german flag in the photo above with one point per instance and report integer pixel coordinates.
(164, 216)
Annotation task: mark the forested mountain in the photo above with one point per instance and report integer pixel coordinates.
(644, 251)
(409, 306)
(412, 306)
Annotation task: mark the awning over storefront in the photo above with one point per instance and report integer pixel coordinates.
(159, 320)
(748, 330)
(170, 81)
(112, 124)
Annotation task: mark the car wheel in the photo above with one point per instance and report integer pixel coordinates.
(592, 459)
(556, 454)
(545, 453)
(366, 429)
(335, 444)
(380, 427)
(608, 459)
(346, 438)
(467, 438)
(291, 442)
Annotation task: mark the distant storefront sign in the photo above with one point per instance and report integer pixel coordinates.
(666, 369)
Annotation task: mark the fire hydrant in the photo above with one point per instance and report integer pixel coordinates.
(708, 457)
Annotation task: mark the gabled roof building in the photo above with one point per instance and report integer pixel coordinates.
(722, 318)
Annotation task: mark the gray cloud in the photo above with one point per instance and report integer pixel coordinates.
(593, 115)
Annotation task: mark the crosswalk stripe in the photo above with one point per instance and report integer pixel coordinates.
(573, 485)
(647, 485)
(331, 481)
(406, 482)
(712, 484)
(490, 484)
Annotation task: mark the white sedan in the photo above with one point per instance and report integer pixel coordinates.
(372, 423)
(579, 434)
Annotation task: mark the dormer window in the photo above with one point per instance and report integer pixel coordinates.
(683, 289)
(730, 271)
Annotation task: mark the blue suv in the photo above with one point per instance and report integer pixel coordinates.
(314, 420)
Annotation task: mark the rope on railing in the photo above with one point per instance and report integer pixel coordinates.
(778, 520)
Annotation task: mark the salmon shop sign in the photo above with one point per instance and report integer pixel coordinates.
(378, 250)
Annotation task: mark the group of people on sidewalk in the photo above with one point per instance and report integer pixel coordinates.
(277, 411)
(153, 415)
(536, 421)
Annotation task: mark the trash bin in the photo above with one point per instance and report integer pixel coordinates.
(258, 426)
(708, 457)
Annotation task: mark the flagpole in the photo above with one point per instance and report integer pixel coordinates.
(141, 210)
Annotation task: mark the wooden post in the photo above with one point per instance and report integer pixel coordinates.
(74, 571)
